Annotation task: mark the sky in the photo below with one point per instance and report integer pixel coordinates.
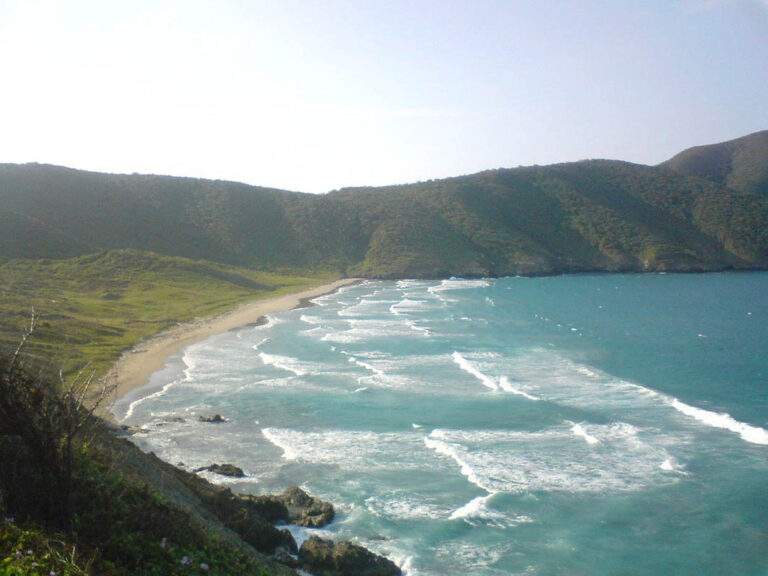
(318, 95)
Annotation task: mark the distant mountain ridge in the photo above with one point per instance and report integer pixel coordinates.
(704, 209)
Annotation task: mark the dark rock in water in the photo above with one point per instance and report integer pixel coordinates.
(378, 538)
(227, 470)
(174, 419)
(294, 506)
(305, 510)
(223, 469)
(326, 558)
(215, 419)
(126, 430)
(170, 420)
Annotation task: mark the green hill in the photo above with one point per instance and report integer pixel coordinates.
(703, 210)
(741, 164)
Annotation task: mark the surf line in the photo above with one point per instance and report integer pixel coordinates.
(503, 382)
(478, 506)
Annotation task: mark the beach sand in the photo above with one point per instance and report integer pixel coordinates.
(135, 366)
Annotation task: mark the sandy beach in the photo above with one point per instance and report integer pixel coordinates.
(135, 366)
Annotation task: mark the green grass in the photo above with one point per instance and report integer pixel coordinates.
(91, 308)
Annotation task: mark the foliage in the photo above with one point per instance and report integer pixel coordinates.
(41, 422)
(29, 551)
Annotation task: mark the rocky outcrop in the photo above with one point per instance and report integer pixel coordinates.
(239, 514)
(294, 506)
(215, 419)
(223, 470)
(326, 558)
(248, 522)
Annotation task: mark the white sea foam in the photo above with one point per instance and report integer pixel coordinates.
(385, 370)
(260, 343)
(365, 307)
(502, 383)
(557, 379)
(132, 406)
(507, 387)
(301, 534)
(406, 565)
(749, 433)
(407, 305)
(281, 441)
(474, 558)
(367, 366)
(478, 510)
(423, 330)
(468, 367)
(399, 505)
(555, 459)
(405, 284)
(361, 389)
(190, 364)
(475, 507)
(283, 362)
(434, 443)
(578, 430)
(669, 465)
(351, 450)
(458, 284)
(370, 329)
(314, 320)
(454, 284)
(377, 375)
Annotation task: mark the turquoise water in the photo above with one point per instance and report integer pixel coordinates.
(565, 425)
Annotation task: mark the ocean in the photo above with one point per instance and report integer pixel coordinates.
(569, 425)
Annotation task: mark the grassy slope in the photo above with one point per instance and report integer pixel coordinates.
(90, 308)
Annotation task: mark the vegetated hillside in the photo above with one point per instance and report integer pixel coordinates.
(580, 216)
(591, 215)
(84, 212)
(90, 308)
(741, 164)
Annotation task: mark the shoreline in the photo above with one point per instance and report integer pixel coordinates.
(135, 366)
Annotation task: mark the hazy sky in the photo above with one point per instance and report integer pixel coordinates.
(316, 95)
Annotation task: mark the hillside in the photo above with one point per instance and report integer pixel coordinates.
(741, 164)
(582, 216)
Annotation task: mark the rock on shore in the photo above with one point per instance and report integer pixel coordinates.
(294, 506)
(229, 470)
(327, 558)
